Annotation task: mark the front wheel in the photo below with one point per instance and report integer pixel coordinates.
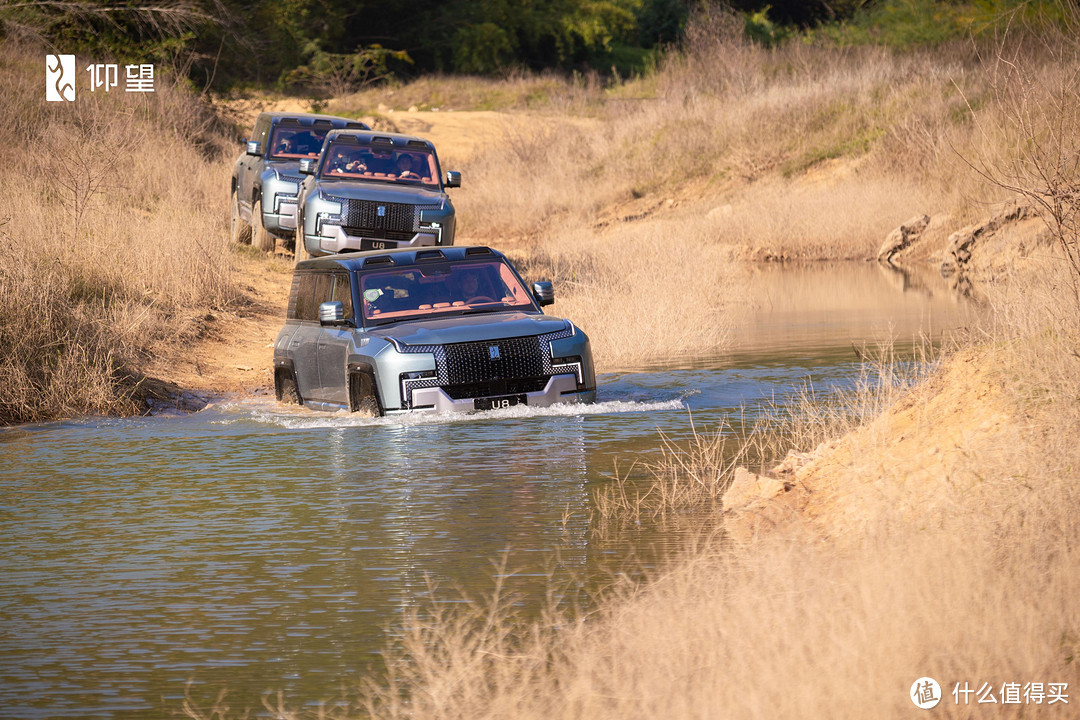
(285, 388)
(259, 235)
(239, 231)
(363, 395)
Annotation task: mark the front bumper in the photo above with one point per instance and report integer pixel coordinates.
(338, 240)
(559, 389)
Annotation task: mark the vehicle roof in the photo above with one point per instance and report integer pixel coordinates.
(307, 119)
(404, 257)
(369, 136)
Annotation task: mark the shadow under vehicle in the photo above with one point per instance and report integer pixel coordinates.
(373, 191)
(266, 179)
(428, 329)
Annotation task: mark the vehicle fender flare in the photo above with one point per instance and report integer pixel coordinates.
(363, 388)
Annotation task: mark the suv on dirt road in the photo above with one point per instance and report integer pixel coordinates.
(372, 190)
(451, 329)
(265, 179)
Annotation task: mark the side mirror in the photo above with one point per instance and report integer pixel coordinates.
(254, 147)
(453, 179)
(307, 166)
(543, 292)
(332, 313)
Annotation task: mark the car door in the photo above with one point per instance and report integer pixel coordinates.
(251, 165)
(334, 343)
(304, 344)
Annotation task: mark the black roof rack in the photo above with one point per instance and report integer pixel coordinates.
(428, 255)
(478, 251)
(378, 260)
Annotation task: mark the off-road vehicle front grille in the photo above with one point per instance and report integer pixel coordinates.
(490, 368)
(508, 358)
(364, 216)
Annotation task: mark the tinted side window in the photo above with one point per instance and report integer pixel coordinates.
(290, 311)
(306, 308)
(262, 130)
(342, 293)
(322, 290)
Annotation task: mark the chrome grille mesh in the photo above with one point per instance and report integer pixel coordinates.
(364, 215)
(465, 370)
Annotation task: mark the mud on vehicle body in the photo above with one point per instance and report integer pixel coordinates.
(373, 191)
(426, 330)
(265, 178)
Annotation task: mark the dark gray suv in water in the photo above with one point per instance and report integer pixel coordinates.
(374, 191)
(265, 178)
(450, 329)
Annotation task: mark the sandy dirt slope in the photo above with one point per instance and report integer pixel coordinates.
(911, 460)
(233, 350)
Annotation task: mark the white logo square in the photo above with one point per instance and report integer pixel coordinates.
(60, 78)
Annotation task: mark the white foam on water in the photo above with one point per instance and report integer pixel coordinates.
(299, 418)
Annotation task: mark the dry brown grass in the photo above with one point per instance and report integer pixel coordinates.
(820, 152)
(546, 93)
(980, 585)
(114, 232)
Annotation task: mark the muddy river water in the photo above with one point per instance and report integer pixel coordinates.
(258, 549)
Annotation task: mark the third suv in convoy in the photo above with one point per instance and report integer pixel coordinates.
(373, 191)
(435, 329)
(265, 179)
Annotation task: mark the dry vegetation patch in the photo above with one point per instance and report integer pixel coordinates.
(113, 238)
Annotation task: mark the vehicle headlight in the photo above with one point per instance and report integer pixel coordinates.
(328, 215)
(329, 206)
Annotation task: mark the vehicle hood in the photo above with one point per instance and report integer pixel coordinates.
(380, 192)
(284, 167)
(470, 328)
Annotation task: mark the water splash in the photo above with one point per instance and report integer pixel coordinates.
(269, 412)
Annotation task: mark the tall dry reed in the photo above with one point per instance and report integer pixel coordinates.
(113, 236)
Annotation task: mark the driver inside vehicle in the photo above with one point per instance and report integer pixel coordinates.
(475, 288)
(405, 166)
(285, 143)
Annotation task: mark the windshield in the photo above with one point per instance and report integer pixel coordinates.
(382, 163)
(295, 143)
(447, 288)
